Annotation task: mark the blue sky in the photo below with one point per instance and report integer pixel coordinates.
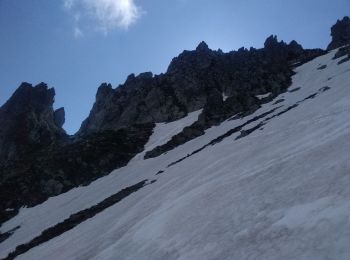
(75, 45)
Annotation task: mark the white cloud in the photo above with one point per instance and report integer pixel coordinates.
(107, 15)
(77, 32)
(68, 4)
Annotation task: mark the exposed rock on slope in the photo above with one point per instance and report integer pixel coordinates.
(38, 159)
(28, 122)
(340, 33)
(59, 117)
(241, 75)
(56, 169)
(190, 80)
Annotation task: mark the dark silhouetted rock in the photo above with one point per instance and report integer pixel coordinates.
(27, 122)
(59, 117)
(341, 52)
(340, 33)
(38, 159)
(295, 47)
(272, 43)
(202, 46)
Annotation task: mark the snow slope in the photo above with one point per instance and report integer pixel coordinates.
(282, 192)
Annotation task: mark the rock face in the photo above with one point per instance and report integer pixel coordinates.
(340, 33)
(59, 117)
(240, 75)
(28, 122)
(38, 159)
(56, 169)
(188, 82)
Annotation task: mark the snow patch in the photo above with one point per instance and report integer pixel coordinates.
(263, 95)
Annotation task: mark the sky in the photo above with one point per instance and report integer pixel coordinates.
(75, 45)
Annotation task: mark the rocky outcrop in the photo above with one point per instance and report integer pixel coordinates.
(241, 75)
(340, 33)
(138, 101)
(188, 82)
(39, 160)
(57, 169)
(27, 122)
(59, 117)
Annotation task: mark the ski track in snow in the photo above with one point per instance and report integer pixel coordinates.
(282, 192)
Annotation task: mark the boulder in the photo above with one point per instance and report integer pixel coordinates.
(59, 117)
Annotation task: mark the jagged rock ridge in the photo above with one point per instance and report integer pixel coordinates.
(28, 121)
(38, 159)
(190, 79)
(340, 33)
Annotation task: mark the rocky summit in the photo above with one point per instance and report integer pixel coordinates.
(28, 122)
(340, 33)
(39, 160)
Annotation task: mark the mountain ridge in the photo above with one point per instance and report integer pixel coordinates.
(222, 84)
(272, 184)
